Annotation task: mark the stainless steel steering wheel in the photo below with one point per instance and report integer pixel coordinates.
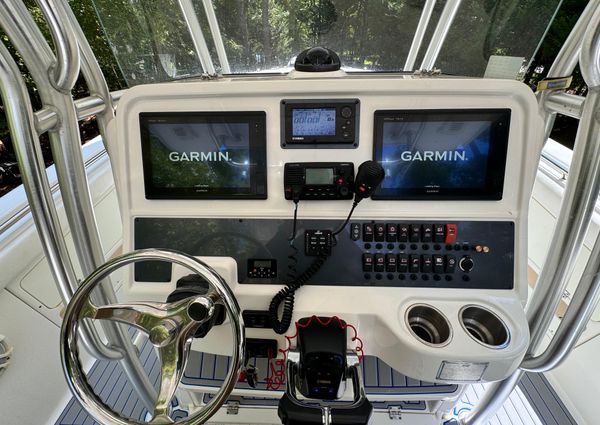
(169, 326)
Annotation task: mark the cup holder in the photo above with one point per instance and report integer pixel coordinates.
(484, 327)
(429, 325)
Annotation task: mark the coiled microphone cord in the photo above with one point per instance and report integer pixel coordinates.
(293, 255)
(286, 296)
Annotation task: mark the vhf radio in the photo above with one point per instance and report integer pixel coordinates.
(318, 180)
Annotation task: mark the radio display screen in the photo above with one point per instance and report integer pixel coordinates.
(204, 155)
(313, 122)
(319, 176)
(442, 154)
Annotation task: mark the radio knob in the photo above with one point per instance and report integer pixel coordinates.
(343, 190)
(466, 264)
(346, 112)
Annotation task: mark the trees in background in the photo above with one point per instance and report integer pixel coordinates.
(146, 41)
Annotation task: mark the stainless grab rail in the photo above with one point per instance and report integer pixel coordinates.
(440, 33)
(66, 148)
(570, 105)
(419, 34)
(92, 74)
(35, 181)
(47, 118)
(65, 68)
(581, 193)
(589, 174)
(567, 60)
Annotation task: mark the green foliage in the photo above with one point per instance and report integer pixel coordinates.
(143, 41)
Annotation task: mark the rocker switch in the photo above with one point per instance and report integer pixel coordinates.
(450, 234)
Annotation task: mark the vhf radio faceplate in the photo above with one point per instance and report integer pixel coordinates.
(318, 180)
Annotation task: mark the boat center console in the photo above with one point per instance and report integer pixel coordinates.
(398, 205)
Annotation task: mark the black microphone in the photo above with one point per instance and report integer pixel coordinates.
(369, 176)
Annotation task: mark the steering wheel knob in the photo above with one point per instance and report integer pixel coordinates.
(201, 309)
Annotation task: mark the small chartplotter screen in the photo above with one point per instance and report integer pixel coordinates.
(313, 122)
(435, 154)
(204, 155)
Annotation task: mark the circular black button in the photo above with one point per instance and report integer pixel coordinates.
(402, 277)
(466, 247)
(402, 247)
(197, 311)
(378, 246)
(343, 191)
(466, 264)
(413, 277)
(378, 276)
(425, 247)
(448, 278)
(437, 277)
(346, 112)
(367, 246)
(390, 276)
(437, 247)
(390, 246)
(425, 277)
(466, 278)
(449, 247)
(367, 276)
(414, 246)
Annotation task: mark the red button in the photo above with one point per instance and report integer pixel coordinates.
(340, 180)
(362, 188)
(450, 233)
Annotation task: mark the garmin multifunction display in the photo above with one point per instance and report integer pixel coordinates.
(442, 154)
(309, 123)
(204, 155)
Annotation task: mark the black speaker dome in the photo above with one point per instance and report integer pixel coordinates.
(317, 59)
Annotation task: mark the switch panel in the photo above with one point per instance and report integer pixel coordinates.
(407, 253)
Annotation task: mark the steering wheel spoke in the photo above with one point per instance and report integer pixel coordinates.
(150, 316)
(173, 357)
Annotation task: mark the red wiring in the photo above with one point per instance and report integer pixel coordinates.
(276, 372)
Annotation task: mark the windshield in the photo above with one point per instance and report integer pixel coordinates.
(164, 40)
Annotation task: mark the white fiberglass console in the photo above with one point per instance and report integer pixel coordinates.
(431, 270)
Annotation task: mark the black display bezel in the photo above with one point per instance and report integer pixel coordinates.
(256, 121)
(496, 163)
(336, 141)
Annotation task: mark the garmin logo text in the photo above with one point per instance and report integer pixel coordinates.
(199, 156)
(434, 156)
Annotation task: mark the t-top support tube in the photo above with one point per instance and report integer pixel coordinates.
(581, 194)
(20, 120)
(565, 62)
(419, 34)
(585, 194)
(439, 36)
(65, 68)
(187, 8)
(66, 149)
(216, 35)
